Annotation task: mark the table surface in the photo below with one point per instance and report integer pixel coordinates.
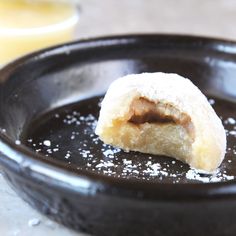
(213, 18)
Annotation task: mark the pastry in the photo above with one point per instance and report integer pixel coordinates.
(162, 114)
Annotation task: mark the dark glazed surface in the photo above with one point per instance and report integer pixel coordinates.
(92, 201)
(67, 135)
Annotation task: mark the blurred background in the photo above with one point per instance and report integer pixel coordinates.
(29, 25)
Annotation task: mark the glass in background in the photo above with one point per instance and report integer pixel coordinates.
(29, 25)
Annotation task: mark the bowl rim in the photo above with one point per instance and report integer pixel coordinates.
(17, 158)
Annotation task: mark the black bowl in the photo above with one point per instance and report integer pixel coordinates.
(49, 102)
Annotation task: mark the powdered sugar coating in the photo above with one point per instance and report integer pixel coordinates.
(208, 149)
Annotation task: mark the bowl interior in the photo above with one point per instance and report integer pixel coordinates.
(50, 101)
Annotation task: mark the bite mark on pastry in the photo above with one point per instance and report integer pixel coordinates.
(143, 110)
(162, 114)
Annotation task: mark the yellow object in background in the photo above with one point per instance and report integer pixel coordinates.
(26, 26)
